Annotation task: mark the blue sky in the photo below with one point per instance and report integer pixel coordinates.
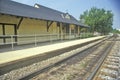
(77, 7)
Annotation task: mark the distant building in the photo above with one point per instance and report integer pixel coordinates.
(20, 19)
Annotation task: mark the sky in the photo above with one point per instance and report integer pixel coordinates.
(77, 7)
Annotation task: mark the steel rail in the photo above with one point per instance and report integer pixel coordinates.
(29, 76)
(100, 62)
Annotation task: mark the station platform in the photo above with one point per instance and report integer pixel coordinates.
(6, 57)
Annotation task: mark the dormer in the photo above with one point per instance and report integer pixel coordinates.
(67, 16)
(36, 5)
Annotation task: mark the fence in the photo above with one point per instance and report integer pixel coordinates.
(13, 40)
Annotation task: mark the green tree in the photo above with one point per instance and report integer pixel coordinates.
(115, 31)
(99, 20)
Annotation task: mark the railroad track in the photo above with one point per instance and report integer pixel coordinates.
(44, 69)
(100, 62)
(110, 67)
(82, 53)
(7, 67)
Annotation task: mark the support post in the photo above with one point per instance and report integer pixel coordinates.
(12, 43)
(15, 33)
(35, 40)
(70, 32)
(3, 28)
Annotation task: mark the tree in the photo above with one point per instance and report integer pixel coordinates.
(115, 31)
(99, 20)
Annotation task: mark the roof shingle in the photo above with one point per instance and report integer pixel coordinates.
(44, 13)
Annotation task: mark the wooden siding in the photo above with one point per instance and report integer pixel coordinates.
(9, 19)
(36, 28)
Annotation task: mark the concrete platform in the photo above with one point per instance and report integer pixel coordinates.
(6, 57)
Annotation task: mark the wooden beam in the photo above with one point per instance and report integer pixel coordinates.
(6, 24)
(3, 29)
(15, 32)
(48, 25)
(19, 22)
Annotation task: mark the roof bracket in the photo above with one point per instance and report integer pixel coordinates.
(49, 24)
(19, 22)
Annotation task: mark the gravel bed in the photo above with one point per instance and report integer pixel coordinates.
(111, 64)
(18, 73)
(71, 69)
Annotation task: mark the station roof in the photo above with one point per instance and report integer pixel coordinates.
(38, 12)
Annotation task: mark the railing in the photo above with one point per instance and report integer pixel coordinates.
(13, 40)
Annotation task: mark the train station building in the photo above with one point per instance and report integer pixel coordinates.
(23, 24)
